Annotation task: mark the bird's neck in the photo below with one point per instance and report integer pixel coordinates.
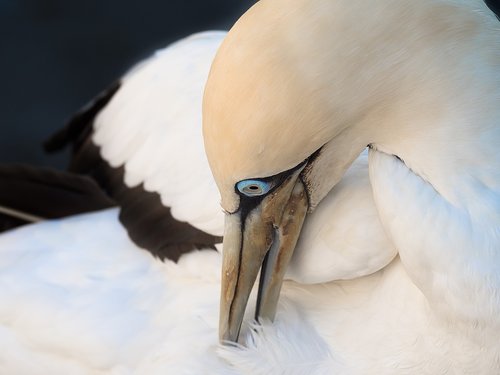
(429, 93)
(433, 103)
(439, 200)
(454, 150)
(412, 78)
(450, 253)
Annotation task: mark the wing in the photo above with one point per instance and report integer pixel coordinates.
(29, 194)
(141, 141)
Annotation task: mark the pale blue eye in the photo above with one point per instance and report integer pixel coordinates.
(253, 188)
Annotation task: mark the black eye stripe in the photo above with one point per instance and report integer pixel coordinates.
(249, 202)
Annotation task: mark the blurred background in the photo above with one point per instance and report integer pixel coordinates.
(57, 54)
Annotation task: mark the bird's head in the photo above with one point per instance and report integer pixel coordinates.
(296, 91)
(274, 153)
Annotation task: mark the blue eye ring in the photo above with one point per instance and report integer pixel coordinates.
(253, 188)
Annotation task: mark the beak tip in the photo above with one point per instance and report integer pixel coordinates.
(226, 337)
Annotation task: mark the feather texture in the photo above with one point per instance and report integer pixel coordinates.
(30, 194)
(141, 141)
(78, 297)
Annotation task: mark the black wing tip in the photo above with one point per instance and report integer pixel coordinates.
(149, 224)
(79, 126)
(175, 251)
(8, 222)
(49, 193)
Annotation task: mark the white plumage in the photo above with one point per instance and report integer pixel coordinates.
(77, 300)
(298, 89)
(152, 126)
(78, 297)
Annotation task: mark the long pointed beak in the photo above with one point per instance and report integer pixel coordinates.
(262, 239)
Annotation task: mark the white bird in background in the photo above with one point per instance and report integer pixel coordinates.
(77, 296)
(296, 91)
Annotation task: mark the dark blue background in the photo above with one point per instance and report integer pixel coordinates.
(57, 54)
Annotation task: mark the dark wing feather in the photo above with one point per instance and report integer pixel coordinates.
(79, 126)
(149, 223)
(8, 222)
(46, 193)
